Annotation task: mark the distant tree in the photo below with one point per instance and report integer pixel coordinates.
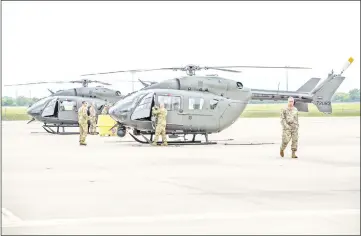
(340, 97)
(354, 95)
(22, 101)
(7, 101)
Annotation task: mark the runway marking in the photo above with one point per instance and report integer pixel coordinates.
(179, 217)
(8, 217)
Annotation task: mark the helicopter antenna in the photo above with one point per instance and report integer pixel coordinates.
(191, 69)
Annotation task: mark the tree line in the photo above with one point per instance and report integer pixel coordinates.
(352, 96)
(19, 101)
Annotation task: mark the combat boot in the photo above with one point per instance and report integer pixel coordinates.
(154, 144)
(294, 154)
(165, 144)
(282, 152)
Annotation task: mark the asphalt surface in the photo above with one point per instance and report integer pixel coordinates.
(51, 185)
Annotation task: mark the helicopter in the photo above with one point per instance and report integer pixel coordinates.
(202, 105)
(59, 110)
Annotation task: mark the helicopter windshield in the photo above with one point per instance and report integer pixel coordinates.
(129, 102)
(39, 105)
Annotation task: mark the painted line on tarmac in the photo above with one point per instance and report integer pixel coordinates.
(182, 217)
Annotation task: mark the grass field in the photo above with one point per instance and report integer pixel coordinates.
(252, 110)
(14, 113)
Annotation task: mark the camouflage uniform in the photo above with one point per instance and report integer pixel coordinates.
(92, 119)
(161, 114)
(105, 110)
(289, 121)
(83, 124)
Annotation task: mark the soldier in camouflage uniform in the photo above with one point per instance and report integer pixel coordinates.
(92, 119)
(289, 121)
(83, 122)
(105, 109)
(161, 114)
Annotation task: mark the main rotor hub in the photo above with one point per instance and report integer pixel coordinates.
(191, 69)
(85, 82)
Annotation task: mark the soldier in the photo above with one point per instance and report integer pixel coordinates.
(83, 122)
(92, 115)
(161, 114)
(289, 121)
(105, 109)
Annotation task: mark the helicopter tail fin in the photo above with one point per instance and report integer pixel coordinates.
(323, 93)
(309, 85)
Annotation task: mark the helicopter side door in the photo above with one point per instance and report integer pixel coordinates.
(144, 107)
(51, 109)
(174, 106)
(200, 113)
(67, 109)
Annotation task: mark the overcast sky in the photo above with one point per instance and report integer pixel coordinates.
(49, 41)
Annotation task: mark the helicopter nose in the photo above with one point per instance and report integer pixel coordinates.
(112, 112)
(33, 111)
(29, 110)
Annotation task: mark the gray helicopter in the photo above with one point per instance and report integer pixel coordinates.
(208, 104)
(59, 110)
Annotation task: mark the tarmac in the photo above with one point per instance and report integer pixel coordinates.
(51, 185)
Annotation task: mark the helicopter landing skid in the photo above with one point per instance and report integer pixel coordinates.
(193, 142)
(48, 128)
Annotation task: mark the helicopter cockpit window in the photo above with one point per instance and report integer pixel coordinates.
(196, 103)
(42, 102)
(213, 103)
(68, 106)
(144, 104)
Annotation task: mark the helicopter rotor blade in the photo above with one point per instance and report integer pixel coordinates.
(227, 70)
(194, 67)
(263, 67)
(60, 82)
(125, 71)
(54, 82)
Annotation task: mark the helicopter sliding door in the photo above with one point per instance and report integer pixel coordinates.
(143, 109)
(51, 109)
(68, 110)
(200, 113)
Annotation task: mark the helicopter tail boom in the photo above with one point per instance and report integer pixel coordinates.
(320, 95)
